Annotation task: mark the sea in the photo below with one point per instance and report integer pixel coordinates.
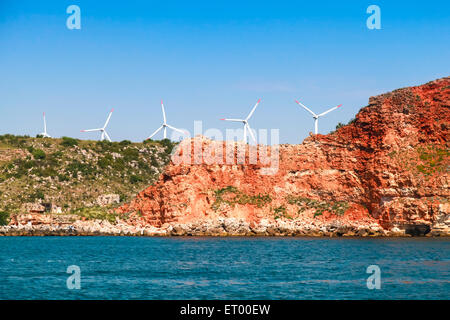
(224, 268)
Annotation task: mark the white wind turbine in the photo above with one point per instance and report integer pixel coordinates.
(245, 122)
(45, 134)
(103, 129)
(165, 125)
(316, 116)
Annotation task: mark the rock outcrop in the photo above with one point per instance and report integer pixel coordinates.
(385, 173)
(108, 199)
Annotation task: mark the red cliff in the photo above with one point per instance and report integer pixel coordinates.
(385, 173)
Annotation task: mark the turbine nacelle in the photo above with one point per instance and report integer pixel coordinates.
(45, 134)
(245, 122)
(102, 130)
(164, 126)
(317, 116)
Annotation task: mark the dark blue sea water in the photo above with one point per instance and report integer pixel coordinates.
(223, 268)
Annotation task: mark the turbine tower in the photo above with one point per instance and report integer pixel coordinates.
(103, 129)
(45, 134)
(245, 122)
(316, 116)
(165, 125)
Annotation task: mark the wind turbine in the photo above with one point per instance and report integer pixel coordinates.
(102, 130)
(165, 125)
(245, 122)
(316, 116)
(45, 134)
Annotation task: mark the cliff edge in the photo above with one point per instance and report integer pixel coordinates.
(385, 173)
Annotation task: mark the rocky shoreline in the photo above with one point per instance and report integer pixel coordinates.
(385, 173)
(222, 227)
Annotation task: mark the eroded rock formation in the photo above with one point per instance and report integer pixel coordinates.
(387, 170)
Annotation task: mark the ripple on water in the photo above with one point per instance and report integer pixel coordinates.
(223, 268)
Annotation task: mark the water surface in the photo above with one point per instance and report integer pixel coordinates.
(223, 268)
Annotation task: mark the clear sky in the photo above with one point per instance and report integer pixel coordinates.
(209, 60)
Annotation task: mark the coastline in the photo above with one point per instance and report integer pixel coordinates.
(222, 227)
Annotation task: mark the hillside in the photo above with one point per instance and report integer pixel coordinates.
(68, 175)
(386, 172)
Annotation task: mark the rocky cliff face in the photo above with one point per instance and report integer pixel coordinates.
(387, 170)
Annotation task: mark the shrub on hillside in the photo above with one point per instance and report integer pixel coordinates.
(38, 154)
(76, 166)
(4, 218)
(38, 195)
(339, 125)
(57, 154)
(63, 177)
(130, 154)
(167, 144)
(14, 141)
(108, 146)
(94, 213)
(69, 142)
(105, 161)
(135, 179)
(125, 142)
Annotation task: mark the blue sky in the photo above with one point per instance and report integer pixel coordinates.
(209, 60)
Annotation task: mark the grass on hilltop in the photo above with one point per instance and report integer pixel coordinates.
(72, 173)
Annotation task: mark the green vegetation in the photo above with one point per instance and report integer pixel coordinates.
(135, 179)
(12, 141)
(4, 218)
(280, 212)
(168, 145)
(339, 125)
(337, 207)
(125, 142)
(100, 213)
(425, 160)
(33, 169)
(232, 196)
(37, 195)
(432, 159)
(38, 154)
(69, 142)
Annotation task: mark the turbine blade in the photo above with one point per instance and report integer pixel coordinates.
(253, 110)
(245, 132)
(234, 120)
(163, 112)
(107, 136)
(334, 108)
(90, 130)
(157, 130)
(109, 117)
(45, 124)
(176, 129)
(251, 133)
(300, 104)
